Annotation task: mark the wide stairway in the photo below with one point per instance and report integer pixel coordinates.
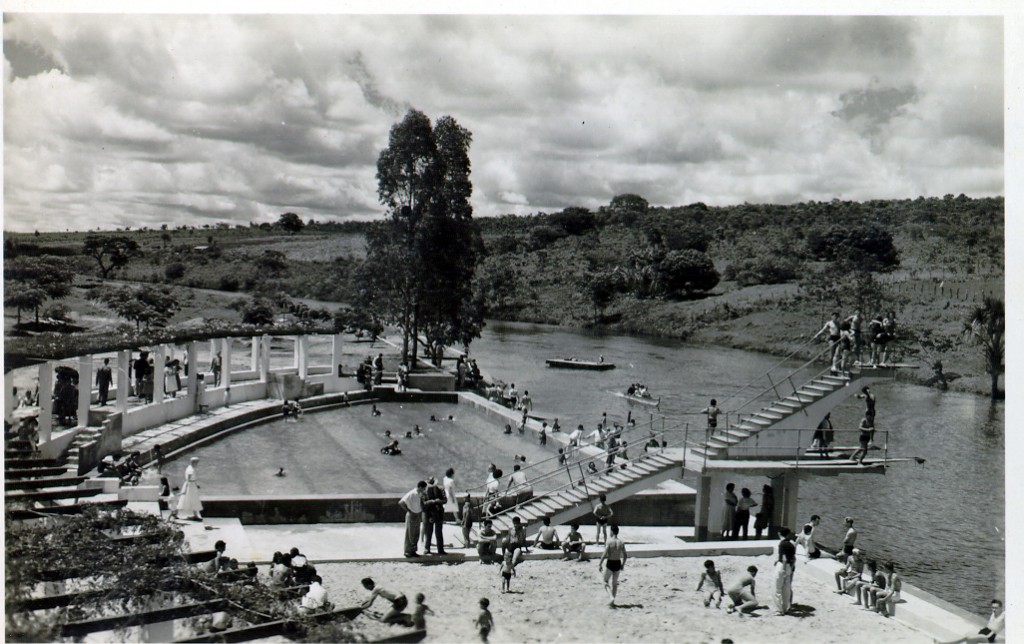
(34, 485)
(580, 495)
(785, 408)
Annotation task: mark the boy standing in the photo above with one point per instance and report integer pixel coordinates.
(484, 621)
(615, 555)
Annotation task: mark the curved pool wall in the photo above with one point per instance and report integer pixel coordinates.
(670, 505)
(256, 368)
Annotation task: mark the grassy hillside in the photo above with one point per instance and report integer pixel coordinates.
(778, 270)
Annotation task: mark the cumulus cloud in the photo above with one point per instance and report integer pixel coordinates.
(114, 120)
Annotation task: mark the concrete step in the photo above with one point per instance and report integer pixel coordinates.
(756, 420)
(37, 484)
(26, 463)
(34, 472)
(52, 495)
(737, 434)
(823, 389)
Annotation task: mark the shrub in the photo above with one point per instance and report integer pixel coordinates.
(543, 236)
(228, 283)
(174, 271)
(682, 273)
(763, 270)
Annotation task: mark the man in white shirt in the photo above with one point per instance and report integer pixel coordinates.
(316, 598)
(412, 503)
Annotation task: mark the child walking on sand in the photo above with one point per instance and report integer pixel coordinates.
(419, 612)
(508, 568)
(484, 621)
(714, 579)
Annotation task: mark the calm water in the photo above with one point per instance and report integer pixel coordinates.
(942, 521)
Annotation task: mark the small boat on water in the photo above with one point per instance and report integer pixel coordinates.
(648, 400)
(575, 363)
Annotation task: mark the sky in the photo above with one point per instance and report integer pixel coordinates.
(115, 120)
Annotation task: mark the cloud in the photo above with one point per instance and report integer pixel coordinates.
(114, 119)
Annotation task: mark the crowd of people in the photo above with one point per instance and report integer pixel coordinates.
(848, 338)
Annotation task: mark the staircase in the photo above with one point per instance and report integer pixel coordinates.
(34, 484)
(577, 499)
(803, 409)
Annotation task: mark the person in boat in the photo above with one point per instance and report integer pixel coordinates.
(631, 390)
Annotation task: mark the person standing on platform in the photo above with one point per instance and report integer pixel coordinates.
(712, 412)
(451, 504)
(433, 512)
(215, 367)
(104, 377)
(729, 512)
(764, 520)
(189, 505)
(412, 503)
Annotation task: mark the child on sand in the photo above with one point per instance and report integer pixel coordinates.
(714, 579)
(419, 612)
(507, 569)
(484, 621)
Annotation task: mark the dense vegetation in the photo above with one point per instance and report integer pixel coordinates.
(692, 271)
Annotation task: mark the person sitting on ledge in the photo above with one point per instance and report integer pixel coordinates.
(291, 410)
(995, 625)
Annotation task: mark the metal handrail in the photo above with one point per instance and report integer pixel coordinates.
(774, 367)
(572, 484)
(764, 391)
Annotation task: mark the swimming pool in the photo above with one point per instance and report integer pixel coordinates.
(338, 452)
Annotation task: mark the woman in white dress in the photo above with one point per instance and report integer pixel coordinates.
(451, 504)
(189, 505)
(170, 381)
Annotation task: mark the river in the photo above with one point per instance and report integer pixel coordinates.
(942, 521)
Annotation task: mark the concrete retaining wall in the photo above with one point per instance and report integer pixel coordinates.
(645, 509)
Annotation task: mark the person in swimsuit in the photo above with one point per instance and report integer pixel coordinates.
(742, 599)
(615, 555)
(850, 573)
(885, 602)
(484, 621)
(865, 440)
(393, 615)
(602, 514)
(869, 406)
(420, 611)
(849, 540)
(819, 439)
(995, 625)
(547, 538)
(714, 580)
(574, 543)
(712, 414)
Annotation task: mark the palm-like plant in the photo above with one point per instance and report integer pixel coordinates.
(987, 327)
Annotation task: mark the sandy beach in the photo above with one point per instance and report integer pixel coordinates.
(557, 601)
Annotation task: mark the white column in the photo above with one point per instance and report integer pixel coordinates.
(254, 362)
(192, 349)
(225, 363)
(45, 401)
(265, 358)
(10, 398)
(302, 355)
(124, 365)
(786, 511)
(295, 352)
(84, 389)
(159, 351)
